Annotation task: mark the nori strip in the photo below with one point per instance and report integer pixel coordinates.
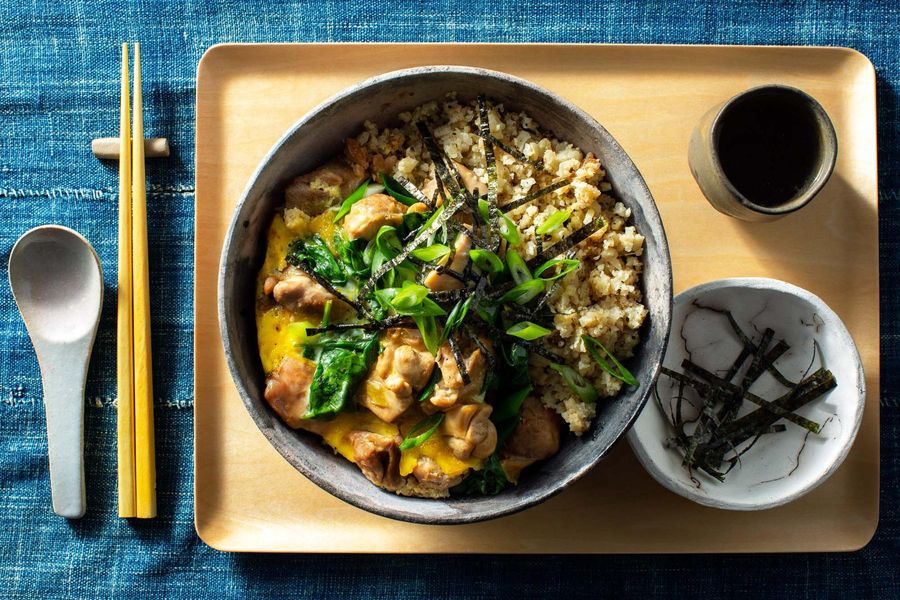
(460, 363)
(548, 293)
(442, 170)
(306, 268)
(746, 341)
(739, 430)
(770, 406)
(394, 321)
(514, 204)
(450, 209)
(445, 296)
(565, 244)
(414, 191)
(516, 153)
(484, 127)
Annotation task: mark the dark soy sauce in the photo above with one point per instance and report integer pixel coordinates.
(768, 145)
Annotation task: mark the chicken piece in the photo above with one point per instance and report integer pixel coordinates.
(471, 434)
(428, 189)
(320, 189)
(440, 282)
(451, 389)
(401, 370)
(287, 392)
(297, 291)
(368, 215)
(469, 178)
(378, 457)
(431, 481)
(535, 438)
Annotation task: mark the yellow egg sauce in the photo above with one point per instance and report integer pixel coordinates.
(281, 333)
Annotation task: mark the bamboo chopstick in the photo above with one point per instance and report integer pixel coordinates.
(145, 459)
(124, 346)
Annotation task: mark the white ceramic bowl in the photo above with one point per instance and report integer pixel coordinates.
(784, 466)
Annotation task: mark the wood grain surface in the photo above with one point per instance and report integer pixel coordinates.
(247, 498)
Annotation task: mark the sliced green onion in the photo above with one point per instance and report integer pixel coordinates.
(394, 189)
(413, 220)
(553, 222)
(566, 266)
(352, 199)
(410, 295)
(297, 333)
(487, 311)
(326, 314)
(487, 261)
(576, 382)
(508, 230)
(424, 307)
(457, 316)
(388, 241)
(517, 267)
(432, 253)
(617, 370)
(428, 328)
(434, 217)
(427, 308)
(428, 390)
(385, 296)
(421, 431)
(528, 330)
(484, 209)
(524, 292)
(509, 407)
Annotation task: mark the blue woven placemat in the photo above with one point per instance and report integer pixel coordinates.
(59, 68)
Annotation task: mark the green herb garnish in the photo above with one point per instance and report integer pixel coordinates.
(432, 253)
(553, 222)
(517, 267)
(564, 267)
(409, 296)
(395, 190)
(342, 361)
(489, 263)
(421, 431)
(357, 195)
(576, 382)
(528, 330)
(604, 357)
(313, 253)
(523, 293)
(489, 481)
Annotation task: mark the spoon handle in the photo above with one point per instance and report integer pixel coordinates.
(63, 372)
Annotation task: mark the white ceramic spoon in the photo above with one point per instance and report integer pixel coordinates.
(57, 282)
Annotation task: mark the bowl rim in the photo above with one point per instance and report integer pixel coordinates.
(671, 483)
(650, 210)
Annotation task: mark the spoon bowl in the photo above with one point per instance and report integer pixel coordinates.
(57, 281)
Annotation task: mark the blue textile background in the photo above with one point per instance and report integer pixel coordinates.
(59, 70)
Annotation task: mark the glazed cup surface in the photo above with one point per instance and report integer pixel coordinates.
(706, 166)
(318, 136)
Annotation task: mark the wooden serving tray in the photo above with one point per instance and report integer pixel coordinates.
(649, 97)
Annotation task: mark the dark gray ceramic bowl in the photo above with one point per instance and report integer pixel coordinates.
(318, 136)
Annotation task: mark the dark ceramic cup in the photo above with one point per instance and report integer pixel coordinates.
(763, 153)
(318, 136)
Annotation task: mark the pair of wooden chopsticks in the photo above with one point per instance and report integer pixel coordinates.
(136, 453)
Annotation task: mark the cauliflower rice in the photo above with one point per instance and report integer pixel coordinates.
(602, 298)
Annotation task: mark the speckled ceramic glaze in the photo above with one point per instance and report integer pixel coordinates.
(57, 281)
(706, 167)
(784, 466)
(318, 136)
